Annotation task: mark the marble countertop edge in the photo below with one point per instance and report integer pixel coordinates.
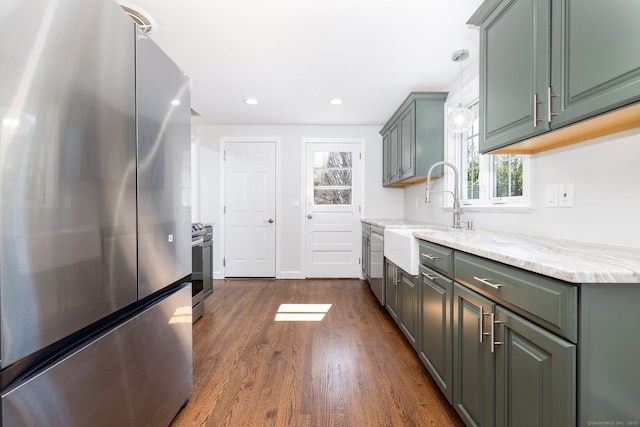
(567, 260)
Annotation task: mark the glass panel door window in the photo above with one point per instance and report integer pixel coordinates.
(332, 178)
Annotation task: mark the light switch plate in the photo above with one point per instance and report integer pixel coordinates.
(551, 196)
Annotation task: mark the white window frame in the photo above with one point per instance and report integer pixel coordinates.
(453, 154)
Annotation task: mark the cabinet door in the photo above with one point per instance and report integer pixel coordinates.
(435, 343)
(514, 72)
(473, 362)
(408, 143)
(409, 310)
(391, 289)
(595, 65)
(535, 375)
(394, 150)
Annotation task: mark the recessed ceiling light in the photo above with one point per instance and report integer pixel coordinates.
(251, 101)
(336, 101)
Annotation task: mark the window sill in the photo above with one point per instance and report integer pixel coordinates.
(498, 208)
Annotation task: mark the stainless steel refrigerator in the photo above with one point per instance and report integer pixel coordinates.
(95, 312)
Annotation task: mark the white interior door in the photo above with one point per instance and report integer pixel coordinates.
(249, 209)
(332, 201)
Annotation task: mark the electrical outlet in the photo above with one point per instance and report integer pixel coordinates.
(565, 195)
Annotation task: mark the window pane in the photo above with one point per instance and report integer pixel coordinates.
(339, 196)
(471, 158)
(324, 177)
(332, 159)
(508, 175)
(332, 178)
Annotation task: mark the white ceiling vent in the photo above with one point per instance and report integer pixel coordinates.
(146, 23)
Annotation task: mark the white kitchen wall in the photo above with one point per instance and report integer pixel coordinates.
(606, 176)
(378, 201)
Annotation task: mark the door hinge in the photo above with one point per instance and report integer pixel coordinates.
(224, 209)
(224, 262)
(359, 261)
(360, 156)
(359, 208)
(224, 156)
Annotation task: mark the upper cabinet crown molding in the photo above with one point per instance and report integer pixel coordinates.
(483, 12)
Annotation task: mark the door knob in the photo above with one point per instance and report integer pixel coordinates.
(309, 216)
(270, 221)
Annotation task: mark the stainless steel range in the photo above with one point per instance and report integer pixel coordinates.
(198, 235)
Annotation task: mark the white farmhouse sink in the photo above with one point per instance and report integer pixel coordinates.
(401, 248)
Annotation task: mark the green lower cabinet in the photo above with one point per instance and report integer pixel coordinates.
(473, 363)
(435, 342)
(508, 371)
(391, 289)
(535, 375)
(409, 311)
(402, 300)
(609, 372)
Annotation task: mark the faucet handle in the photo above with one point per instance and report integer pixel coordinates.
(469, 224)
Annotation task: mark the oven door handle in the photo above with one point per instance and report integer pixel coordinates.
(198, 242)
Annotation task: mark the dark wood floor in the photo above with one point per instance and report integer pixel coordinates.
(353, 368)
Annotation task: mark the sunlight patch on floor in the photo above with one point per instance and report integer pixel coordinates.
(301, 312)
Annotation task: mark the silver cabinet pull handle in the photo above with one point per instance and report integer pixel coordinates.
(431, 257)
(535, 110)
(494, 343)
(490, 333)
(550, 94)
(486, 282)
(430, 277)
(482, 314)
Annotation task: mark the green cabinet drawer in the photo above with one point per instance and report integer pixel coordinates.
(438, 257)
(548, 302)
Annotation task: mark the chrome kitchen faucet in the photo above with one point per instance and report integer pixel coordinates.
(457, 209)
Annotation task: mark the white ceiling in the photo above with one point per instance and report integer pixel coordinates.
(294, 56)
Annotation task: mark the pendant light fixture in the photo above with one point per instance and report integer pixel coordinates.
(460, 119)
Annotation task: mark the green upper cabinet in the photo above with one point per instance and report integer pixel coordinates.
(407, 164)
(595, 63)
(413, 139)
(514, 72)
(580, 54)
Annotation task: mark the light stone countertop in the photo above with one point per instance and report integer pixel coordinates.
(399, 223)
(568, 260)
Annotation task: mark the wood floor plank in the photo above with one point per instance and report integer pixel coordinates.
(352, 368)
